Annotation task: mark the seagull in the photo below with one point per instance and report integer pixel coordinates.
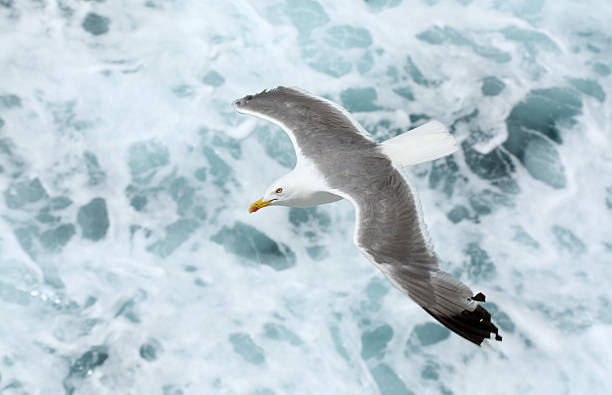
(337, 159)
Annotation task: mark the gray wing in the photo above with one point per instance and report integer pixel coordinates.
(390, 232)
(313, 123)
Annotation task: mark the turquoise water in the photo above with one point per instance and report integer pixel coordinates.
(129, 263)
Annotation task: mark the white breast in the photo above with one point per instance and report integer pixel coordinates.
(309, 180)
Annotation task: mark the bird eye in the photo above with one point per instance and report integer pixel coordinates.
(279, 190)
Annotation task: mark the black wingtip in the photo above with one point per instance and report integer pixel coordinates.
(479, 297)
(474, 325)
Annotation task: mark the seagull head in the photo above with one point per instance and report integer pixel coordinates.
(294, 189)
(283, 192)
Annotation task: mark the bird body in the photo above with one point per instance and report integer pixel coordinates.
(337, 159)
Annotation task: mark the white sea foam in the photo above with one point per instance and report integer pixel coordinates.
(129, 263)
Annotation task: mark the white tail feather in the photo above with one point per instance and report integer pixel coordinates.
(427, 142)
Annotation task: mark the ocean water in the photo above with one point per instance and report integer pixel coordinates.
(129, 263)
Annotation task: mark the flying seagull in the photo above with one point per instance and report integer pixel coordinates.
(337, 159)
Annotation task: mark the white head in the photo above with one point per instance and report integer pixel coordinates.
(282, 192)
(293, 190)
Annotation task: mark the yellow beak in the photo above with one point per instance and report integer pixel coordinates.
(260, 204)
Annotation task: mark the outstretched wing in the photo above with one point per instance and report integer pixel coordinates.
(390, 233)
(311, 122)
